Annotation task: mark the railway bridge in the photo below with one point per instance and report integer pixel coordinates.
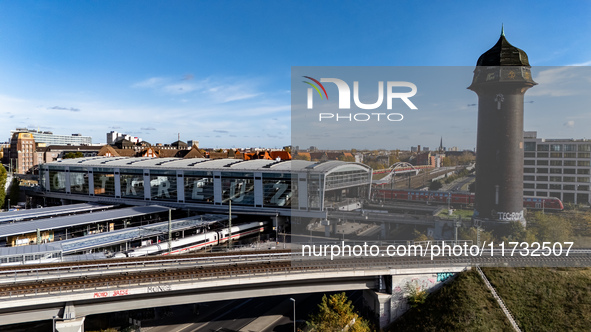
(73, 291)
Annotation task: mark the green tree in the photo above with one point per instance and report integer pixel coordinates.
(14, 191)
(435, 185)
(72, 155)
(337, 314)
(416, 294)
(3, 176)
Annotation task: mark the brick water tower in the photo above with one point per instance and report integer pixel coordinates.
(501, 78)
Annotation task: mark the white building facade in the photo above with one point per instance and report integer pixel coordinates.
(558, 168)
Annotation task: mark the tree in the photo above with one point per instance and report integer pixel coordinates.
(344, 157)
(14, 191)
(336, 314)
(416, 294)
(301, 157)
(72, 155)
(435, 185)
(3, 176)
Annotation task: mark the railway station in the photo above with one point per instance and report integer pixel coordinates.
(105, 244)
(282, 188)
(53, 211)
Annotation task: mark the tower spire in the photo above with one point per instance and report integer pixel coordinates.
(502, 29)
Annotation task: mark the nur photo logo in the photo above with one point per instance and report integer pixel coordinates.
(344, 99)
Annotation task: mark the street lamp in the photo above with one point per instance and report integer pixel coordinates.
(294, 316)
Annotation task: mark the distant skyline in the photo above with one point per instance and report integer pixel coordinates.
(219, 72)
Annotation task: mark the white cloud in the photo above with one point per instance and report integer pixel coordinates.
(214, 89)
(562, 81)
(570, 124)
(149, 83)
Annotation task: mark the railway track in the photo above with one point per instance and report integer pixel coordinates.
(231, 270)
(134, 260)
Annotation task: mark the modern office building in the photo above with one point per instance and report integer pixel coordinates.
(48, 138)
(558, 168)
(260, 186)
(22, 155)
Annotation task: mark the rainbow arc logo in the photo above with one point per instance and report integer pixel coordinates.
(310, 91)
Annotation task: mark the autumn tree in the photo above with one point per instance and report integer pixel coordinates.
(336, 313)
(344, 157)
(3, 176)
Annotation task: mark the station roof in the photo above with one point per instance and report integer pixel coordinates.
(204, 164)
(134, 233)
(26, 227)
(114, 237)
(50, 211)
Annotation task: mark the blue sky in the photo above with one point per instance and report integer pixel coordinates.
(219, 71)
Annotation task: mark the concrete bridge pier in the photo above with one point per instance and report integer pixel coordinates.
(69, 322)
(326, 223)
(390, 298)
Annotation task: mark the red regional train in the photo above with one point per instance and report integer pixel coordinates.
(460, 198)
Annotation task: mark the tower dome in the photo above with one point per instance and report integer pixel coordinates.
(502, 63)
(503, 54)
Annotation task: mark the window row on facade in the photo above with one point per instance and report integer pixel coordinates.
(581, 171)
(580, 155)
(533, 146)
(542, 178)
(580, 187)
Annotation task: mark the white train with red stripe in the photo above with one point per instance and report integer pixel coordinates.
(198, 241)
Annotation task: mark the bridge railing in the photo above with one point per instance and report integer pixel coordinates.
(320, 267)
